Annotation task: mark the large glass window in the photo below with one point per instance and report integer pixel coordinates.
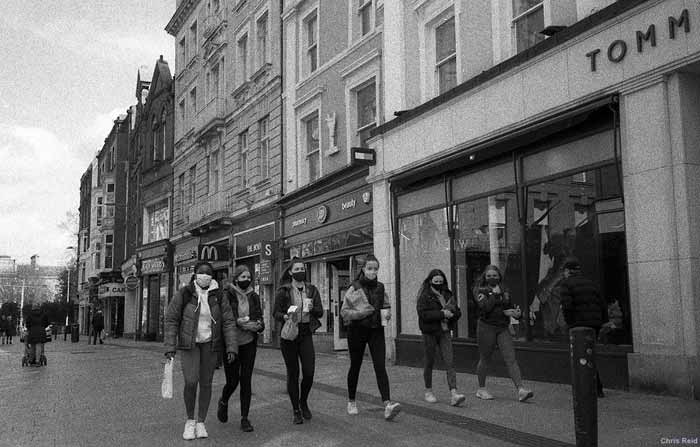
(313, 151)
(156, 222)
(366, 112)
(424, 245)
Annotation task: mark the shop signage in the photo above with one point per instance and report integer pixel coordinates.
(266, 255)
(131, 283)
(342, 207)
(249, 243)
(111, 289)
(153, 265)
(339, 241)
(185, 269)
(186, 256)
(299, 222)
(619, 49)
(214, 252)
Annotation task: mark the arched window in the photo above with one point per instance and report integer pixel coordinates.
(154, 133)
(163, 139)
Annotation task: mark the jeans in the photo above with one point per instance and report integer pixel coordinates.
(300, 349)
(241, 371)
(358, 338)
(198, 369)
(441, 342)
(488, 337)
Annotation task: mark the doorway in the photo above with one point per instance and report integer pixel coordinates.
(339, 284)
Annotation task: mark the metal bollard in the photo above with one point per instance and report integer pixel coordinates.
(583, 385)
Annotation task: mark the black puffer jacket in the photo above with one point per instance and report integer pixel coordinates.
(430, 314)
(492, 304)
(283, 299)
(36, 323)
(582, 302)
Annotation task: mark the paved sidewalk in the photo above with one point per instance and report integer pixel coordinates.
(624, 418)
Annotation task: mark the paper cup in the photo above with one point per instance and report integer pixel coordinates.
(384, 313)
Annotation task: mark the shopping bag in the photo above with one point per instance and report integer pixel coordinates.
(290, 330)
(166, 387)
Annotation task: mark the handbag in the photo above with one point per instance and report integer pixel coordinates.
(166, 387)
(290, 330)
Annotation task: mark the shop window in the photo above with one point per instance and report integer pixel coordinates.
(424, 245)
(528, 21)
(487, 232)
(446, 56)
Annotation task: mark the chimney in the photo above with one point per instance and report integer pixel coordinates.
(35, 262)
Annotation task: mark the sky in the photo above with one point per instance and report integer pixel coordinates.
(68, 70)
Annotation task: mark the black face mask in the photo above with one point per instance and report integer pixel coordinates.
(299, 276)
(438, 287)
(243, 284)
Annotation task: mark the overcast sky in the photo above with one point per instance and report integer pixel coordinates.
(68, 69)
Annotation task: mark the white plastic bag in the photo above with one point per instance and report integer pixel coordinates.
(166, 387)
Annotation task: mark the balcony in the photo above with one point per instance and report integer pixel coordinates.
(209, 208)
(210, 119)
(212, 23)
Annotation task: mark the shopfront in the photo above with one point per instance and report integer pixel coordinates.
(111, 296)
(131, 297)
(331, 230)
(215, 248)
(256, 248)
(155, 289)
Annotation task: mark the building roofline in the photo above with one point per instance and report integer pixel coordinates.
(181, 14)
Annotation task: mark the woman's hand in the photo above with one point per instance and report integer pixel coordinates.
(286, 317)
(243, 320)
(447, 313)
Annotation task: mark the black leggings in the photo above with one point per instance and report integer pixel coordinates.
(241, 370)
(358, 338)
(300, 349)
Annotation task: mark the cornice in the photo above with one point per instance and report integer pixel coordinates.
(181, 14)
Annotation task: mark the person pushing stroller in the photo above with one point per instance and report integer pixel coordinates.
(36, 324)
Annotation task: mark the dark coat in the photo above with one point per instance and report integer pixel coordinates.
(491, 306)
(255, 309)
(430, 314)
(182, 318)
(582, 302)
(98, 321)
(10, 330)
(283, 299)
(36, 324)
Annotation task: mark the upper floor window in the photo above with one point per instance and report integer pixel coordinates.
(193, 184)
(264, 141)
(193, 102)
(312, 144)
(215, 170)
(109, 244)
(446, 55)
(193, 40)
(163, 138)
(365, 16)
(182, 50)
(366, 111)
(243, 145)
(243, 59)
(311, 42)
(182, 110)
(261, 50)
(181, 193)
(110, 187)
(86, 242)
(154, 133)
(528, 21)
(111, 159)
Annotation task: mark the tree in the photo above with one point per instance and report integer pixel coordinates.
(63, 280)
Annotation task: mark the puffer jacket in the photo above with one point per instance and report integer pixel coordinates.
(430, 314)
(491, 306)
(582, 302)
(36, 327)
(182, 318)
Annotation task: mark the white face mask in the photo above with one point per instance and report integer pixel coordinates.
(203, 280)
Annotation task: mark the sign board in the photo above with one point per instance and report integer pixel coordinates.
(266, 255)
(131, 283)
(214, 252)
(112, 289)
(153, 265)
(343, 207)
(249, 243)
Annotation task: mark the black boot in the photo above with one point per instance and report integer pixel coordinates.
(222, 411)
(246, 425)
(305, 412)
(298, 419)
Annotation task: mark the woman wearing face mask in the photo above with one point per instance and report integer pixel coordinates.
(437, 314)
(495, 310)
(295, 291)
(196, 323)
(364, 307)
(245, 304)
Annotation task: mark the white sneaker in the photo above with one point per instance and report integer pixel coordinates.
(391, 410)
(482, 393)
(189, 433)
(352, 408)
(524, 394)
(201, 430)
(430, 397)
(457, 399)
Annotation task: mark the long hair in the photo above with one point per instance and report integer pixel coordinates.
(286, 276)
(368, 258)
(481, 282)
(428, 281)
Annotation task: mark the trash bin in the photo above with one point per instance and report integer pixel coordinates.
(75, 333)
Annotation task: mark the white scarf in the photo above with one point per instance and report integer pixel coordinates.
(205, 318)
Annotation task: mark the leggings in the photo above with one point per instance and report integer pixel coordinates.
(358, 338)
(241, 371)
(488, 337)
(300, 349)
(198, 369)
(441, 342)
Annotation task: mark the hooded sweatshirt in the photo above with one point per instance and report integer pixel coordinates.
(204, 323)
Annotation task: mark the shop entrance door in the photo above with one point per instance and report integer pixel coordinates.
(341, 282)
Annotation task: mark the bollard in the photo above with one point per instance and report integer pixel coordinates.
(583, 386)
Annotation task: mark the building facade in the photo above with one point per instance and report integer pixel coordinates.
(515, 149)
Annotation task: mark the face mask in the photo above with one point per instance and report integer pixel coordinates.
(299, 276)
(244, 284)
(203, 280)
(438, 287)
(492, 281)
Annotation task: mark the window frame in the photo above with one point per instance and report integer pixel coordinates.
(356, 91)
(193, 31)
(451, 57)
(314, 115)
(109, 246)
(262, 57)
(264, 141)
(243, 148)
(163, 135)
(514, 24)
(366, 5)
(310, 65)
(243, 69)
(192, 184)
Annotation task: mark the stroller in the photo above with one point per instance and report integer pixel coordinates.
(29, 358)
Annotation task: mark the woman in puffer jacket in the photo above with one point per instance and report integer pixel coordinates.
(197, 322)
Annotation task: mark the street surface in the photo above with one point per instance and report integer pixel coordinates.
(109, 395)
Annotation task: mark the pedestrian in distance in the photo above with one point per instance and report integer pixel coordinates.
(247, 312)
(197, 322)
(582, 303)
(437, 315)
(365, 310)
(3, 328)
(11, 329)
(98, 325)
(36, 324)
(495, 310)
(299, 301)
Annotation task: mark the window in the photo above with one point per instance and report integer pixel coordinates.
(193, 102)
(206, 174)
(243, 59)
(215, 171)
(528, 21)
(182, 111)
(366, 111)
(214, 89)
(446, 56)
(86, 242)
(109, 244)
(193, 40)
(182, 50)
(193, 184)
(216, 4)
(365, 15)
(97, 256)
(243, 146)
(261, 27)
(264, 141)
(82, 271)
(156, 222)
(110, 211)
(163, 137)
(110, 187)
(98, 211)
(313, 152)
(181, 193)
(310, 25)
(155, 151)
